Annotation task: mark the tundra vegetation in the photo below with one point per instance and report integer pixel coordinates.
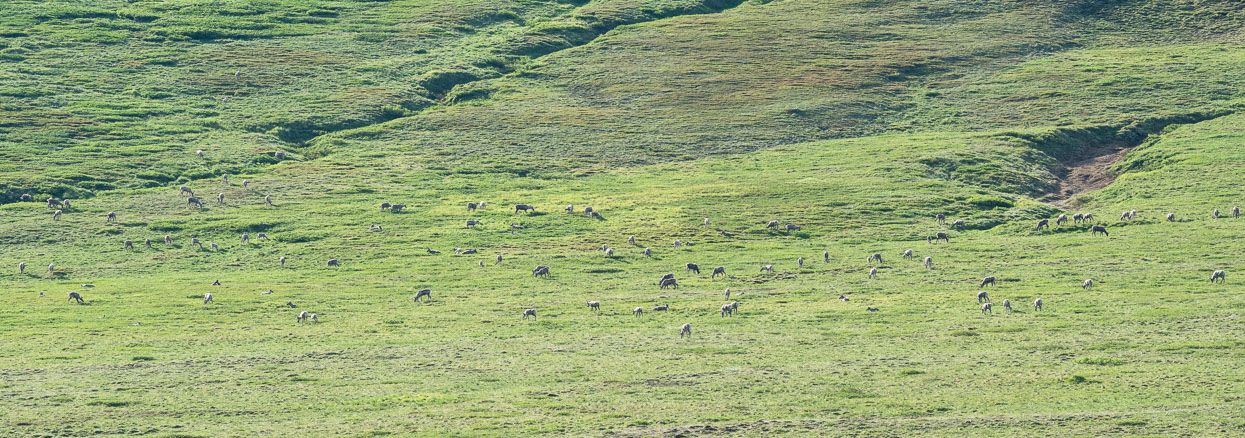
(690, 120)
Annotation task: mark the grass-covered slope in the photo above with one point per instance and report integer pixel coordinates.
(145, 355)
(119, 95)
(857, 120)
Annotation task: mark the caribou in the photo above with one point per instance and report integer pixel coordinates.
(423, 293)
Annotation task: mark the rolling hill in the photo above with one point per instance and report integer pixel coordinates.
(858, 121)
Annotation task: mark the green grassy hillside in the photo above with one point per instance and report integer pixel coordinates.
(859, 121)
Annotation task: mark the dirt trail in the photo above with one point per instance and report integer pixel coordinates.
(1087, 171)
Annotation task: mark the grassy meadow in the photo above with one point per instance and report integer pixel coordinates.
(856, 120)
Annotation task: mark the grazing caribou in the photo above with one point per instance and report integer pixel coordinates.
(423, 293)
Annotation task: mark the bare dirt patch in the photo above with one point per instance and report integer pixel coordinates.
(1087, 171)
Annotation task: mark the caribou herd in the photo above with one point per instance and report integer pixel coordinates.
(668, 280)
